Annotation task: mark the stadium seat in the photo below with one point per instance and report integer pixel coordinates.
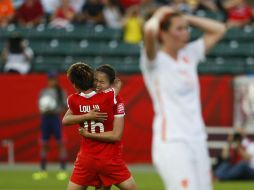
(58, 48)
(122, 49)
(241, 34)
(221, 65)
(210, 14)
(61, 63)
(1, 46)
(233, 48)
(97, 33)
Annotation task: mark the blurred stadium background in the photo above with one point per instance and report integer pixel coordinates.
(57, 49)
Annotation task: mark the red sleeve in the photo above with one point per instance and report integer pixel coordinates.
(70, 103)
(119, 109)
(110, 94)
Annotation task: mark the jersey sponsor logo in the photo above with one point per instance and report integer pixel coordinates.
(88, 108)
(120, 108)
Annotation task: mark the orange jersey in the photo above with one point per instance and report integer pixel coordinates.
(6, 8)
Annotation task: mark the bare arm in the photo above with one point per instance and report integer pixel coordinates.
(245, 155)
(213, 30)
(226, 152)
(5, 54)
(70, 119)
(109, 136)
(209, 5)
(228, 4)
(151, 30)
(27, 52)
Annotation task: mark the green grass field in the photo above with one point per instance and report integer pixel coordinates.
(146, 180)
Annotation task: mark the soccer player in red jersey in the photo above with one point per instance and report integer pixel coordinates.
(105, 76)
(97, 163)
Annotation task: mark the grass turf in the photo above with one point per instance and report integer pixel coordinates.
(22, 180)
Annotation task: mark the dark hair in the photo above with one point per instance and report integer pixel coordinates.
(109, 71)
(237, 137)
(81, 75)
(15, 43)
(114, 2)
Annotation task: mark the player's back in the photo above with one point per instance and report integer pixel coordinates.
(81, 103)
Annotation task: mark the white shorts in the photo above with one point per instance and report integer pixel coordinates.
(182, 165)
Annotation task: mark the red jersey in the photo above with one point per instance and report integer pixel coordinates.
(243, 14)
(30, 13)
(119, 107)
(81, 103)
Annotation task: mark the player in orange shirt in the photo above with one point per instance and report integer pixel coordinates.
(6, 12)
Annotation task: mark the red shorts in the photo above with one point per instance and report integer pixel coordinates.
(92, 171)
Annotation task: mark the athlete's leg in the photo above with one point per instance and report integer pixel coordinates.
(74, 186)
(62, 155)
(128, 184)
(45, 134)
(204, 173)
(43, 155)
(57, 129)
(114, 171)
(45, 129)
(174, 163)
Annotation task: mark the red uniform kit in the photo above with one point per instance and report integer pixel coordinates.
(98, 163)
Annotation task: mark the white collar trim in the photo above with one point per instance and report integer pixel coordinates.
(89, 95)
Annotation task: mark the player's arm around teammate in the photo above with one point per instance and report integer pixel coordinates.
(71, 119)
(109, 136)
(213, 30)
(104, 79)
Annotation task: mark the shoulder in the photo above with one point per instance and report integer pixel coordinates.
(72, 97)
(107, 91)
(110, 94)
(195, 50)
(72, 100)
(119, 99)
